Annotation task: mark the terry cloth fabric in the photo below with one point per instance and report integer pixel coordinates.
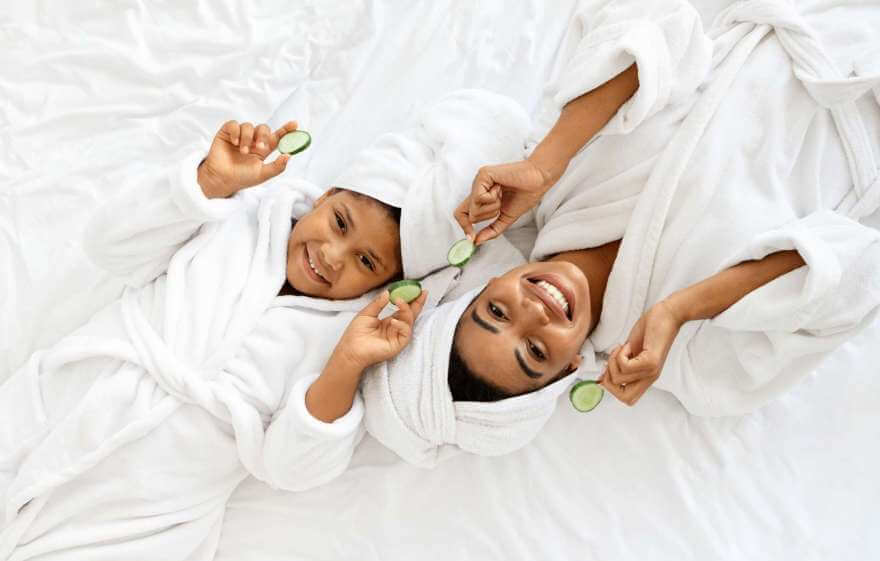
(427, 170)
(409, 406)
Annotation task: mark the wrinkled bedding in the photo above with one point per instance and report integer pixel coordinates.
(94, 93)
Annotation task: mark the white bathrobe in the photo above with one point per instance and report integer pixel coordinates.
(745, 166)
(126, 438)
(111, 440)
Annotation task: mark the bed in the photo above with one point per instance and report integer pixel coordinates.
(93, 93)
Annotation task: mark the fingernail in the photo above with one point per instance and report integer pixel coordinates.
(261, 144)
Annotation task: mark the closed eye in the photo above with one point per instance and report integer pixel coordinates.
(496, 311)
(536, 351)
(340, 222)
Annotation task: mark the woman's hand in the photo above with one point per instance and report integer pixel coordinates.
(504, 192)
(237, 158)
(369, 340)
(637, 364)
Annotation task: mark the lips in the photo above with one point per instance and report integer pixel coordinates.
(555, 294)
(311, 268)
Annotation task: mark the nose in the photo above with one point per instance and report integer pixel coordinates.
(332, 255)
(534, 310)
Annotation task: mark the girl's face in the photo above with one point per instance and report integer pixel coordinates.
(527, 327)
(345, 247)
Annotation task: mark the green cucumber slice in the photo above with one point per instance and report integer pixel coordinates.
(294, 142)
(586, 395)
(461, 252)
(406, 290)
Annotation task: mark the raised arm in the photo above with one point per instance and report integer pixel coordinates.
(510, 190)
(619, 64)
(635, 365)
(368, 340)
(135, 234)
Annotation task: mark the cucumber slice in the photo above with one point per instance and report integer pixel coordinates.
(406, 290)
(586, 395)
(461, 252)
(294, 142)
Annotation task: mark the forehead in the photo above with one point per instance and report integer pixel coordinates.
(372, 220)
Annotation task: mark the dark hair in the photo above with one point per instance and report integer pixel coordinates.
(467, 386)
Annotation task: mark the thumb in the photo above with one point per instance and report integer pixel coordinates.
(463, 218)
(495, 229)
(375, 307)
(274, 168)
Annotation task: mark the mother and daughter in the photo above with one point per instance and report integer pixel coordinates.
(251, 339)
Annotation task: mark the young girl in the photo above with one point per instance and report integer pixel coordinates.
(125, 439)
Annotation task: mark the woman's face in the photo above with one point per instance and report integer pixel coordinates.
(527, 327)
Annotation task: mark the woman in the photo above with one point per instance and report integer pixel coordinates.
(642, 239)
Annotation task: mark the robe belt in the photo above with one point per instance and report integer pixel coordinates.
(828, 87)
(194, 384)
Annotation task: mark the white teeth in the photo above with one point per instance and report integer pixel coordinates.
(555, 293)
(315, 269)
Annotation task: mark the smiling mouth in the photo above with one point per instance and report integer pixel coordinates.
(555, 293)
(312, 269)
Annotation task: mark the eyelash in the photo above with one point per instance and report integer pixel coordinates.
(340, 223)
(367, 263)
(536, 352)
(496, 311)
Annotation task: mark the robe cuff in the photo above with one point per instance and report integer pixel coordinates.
(188, 196)
(340, 428)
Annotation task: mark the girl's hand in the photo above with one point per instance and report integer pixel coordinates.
(633, 367)
(505, 191)
(236, 159)
(369, 340)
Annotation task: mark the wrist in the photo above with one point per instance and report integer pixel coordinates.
(551, 167)
(680, 306)
(344, 363)
(211, 185)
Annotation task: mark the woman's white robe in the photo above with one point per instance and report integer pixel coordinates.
(747, 165)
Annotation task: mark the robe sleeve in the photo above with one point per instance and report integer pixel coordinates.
(664, 38)
(300, 451)
(779, 333)
(135, 234)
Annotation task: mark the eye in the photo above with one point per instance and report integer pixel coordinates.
(496, 311)
(536, 352)
(340, 222)
(367, 263)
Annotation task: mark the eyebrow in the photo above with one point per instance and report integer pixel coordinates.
(519, 359)
(483, 323)
(522, 364)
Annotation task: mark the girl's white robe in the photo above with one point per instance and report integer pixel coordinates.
(125, 439)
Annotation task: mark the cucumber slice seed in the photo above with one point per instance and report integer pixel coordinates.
(586, 395)
(406, 290)
(294, 142)
(461, 252)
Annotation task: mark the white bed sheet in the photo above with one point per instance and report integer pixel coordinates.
(93, 93)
